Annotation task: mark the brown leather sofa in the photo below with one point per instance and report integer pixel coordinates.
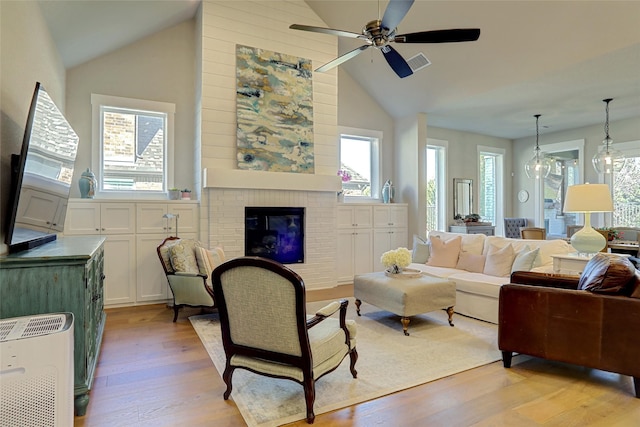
(591, 320)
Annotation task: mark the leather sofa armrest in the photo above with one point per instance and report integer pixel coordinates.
(549, 280)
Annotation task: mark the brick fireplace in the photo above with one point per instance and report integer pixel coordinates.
(225, 210)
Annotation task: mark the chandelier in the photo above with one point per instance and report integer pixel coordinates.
(608, 160)
(538, 166)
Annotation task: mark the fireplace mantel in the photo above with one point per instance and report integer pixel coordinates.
(260, 180)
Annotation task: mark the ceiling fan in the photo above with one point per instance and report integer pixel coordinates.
(380, 33)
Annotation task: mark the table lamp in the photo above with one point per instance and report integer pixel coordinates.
(588, 198)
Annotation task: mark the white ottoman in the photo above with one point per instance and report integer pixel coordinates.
(405, 297)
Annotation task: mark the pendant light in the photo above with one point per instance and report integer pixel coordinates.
(538, 166)
(607, 159)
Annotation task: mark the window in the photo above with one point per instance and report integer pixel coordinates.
(359, 160)
(436, 185)
(626, 191)
(491, 186)
(133, 145)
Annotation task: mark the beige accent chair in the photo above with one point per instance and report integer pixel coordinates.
(187, 266)
(534, 233)
(265, 328)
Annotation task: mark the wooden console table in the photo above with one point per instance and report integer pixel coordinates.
(65, 275)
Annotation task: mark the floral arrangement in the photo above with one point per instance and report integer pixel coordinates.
(395, 260)
(344, 175)
(612, 233)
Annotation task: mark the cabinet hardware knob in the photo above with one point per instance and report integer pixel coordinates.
(103, 229)
(97, 229)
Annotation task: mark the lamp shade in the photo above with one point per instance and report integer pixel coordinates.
(588, 198)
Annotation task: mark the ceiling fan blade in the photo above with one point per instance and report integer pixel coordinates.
(395, 12)
(327, 31)
(440, 36)
(396, 62)
(343, 58)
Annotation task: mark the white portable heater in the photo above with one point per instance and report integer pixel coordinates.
(36, 370)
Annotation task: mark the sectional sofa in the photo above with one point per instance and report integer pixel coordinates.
(479, 265)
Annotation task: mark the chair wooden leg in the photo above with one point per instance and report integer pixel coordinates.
(226, 376)
(176, 308)
(506, 358)
(310, 397)
(353, 355)
(636, 384)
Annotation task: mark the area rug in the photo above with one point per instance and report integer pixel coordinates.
(388, 362)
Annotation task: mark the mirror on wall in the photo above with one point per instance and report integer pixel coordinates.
(462, 197)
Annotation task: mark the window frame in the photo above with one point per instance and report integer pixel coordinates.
(499, 207)
(629, 149)
(441, 150)
(137, 105)
(375, 137)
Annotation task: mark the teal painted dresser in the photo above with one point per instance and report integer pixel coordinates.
(65, 275)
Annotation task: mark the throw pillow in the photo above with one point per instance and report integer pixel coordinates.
(420, 252)
(183, 259)
(499, 261)
(608, 274)
(471, 262)
(525, 259)
(208, 260)
(444, 254)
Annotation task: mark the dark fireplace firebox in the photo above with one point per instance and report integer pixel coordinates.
(275, 233)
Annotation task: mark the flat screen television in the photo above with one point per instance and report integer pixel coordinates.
(40, 176)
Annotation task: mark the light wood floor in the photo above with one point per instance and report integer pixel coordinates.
(157, 373)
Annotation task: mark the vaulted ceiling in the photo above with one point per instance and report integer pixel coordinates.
(556, 58)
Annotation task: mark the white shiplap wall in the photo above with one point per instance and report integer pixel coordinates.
(265, 25)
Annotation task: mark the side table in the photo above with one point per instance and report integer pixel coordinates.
(573, 263)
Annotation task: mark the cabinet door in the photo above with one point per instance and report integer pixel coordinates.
(362, 253)
(151, 282)
(381, 244)
(363, 216)
(149, 218)
(187, 222)
(119, 269)
(83, 218)
(60, 216)
(38, 208)
(390, 216)
(345, 256)
(117, 218)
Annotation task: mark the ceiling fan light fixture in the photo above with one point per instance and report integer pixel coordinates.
(608, 160)
(538, 166)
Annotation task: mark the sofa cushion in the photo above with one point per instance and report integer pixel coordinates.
(525, 259)
(472, 243)
(607, 274)
(478, 283)
(420, 252)
(444, 253)
(547, 247)
(471, 262)
(499, 261)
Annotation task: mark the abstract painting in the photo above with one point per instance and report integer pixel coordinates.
(274, 100)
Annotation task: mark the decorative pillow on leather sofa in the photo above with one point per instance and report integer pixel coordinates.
(608, 274)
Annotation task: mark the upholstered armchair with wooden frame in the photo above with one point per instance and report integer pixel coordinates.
(265, 328)
(187, 266)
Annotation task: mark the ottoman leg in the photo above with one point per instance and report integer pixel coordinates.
(450, 313)
(358, 302)
(405, 325)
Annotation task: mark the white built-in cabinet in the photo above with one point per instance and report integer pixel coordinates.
(42, 209)
(355, 239)
(390, 230)
(133, 230)
(365, 231)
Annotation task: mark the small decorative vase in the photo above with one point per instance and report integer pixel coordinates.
(387, 192)
(186, 195)
(87, 184)
(174, 194)
(394, 269)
